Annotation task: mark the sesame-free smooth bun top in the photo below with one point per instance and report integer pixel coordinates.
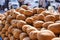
(38, 24)
(21, 17)
(29, 20)
(39, 10)
(46, 24)
(45, 13)
(49, 18)
(45, 35)
(28, 13)
(55, 28)
(41, 17)
(21, 23)
(25, 27)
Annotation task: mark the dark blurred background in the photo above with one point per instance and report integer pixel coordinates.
(9, 4)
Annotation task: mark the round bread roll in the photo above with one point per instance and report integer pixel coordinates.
(25, 7)
(56, 16)
(14, 14)
(55, 28)
(38, 24)
(2, 17)
(39, 10)
(33, 34)
(21, 17)
(41, 17)
(21, 23)
(21, 10)
(29, 20)
(22, 36)
(57, 38)
(28, 13)
(31, 29)
(34, 10)
(9, 12)
(49, 18)
(46, 24)
(9, 18)
(10, 29)
(25, 27)
(26, 38)
(45, 35)
(16, 33)
(35, 17)
(45, 13)
(14, 23)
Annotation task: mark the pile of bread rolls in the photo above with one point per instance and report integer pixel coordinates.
(29, 24)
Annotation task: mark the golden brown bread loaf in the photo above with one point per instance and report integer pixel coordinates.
(28, 13)
(21, 17)
(55, 28)
(49, 18)
(45, 13)
(41, 16)
(33, 35)
(16, 33)
(14, 23)
(29, 20)
(31, 29)
(25, 7)
(45, 35)
(38, 24)
(25, 27)
(40, 10)
(21, 23)
(46, 24)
